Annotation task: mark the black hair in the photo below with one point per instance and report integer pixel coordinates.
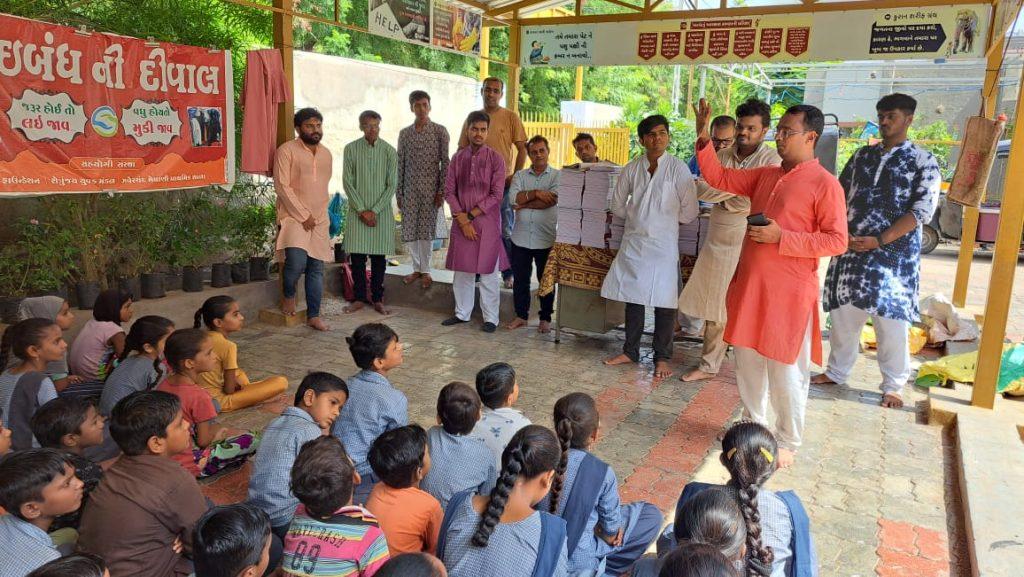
(458, 407)
(182, 345)
(107, 307)
(368, 115)
(584, 136)
(213, 308)
(749, 452)
(304, 114)
(417, 95)
(59, 417)
(576, 420)
(537, 139)
(24, 475)
(396, 455)
(370, 342)
(20, 336)
(696, 560)
(896, 101)
(141, 416)
(75, 565)
(147, 330)
(322, 476)
(533, 451)
(493, 79)
(494, 383)
(813, 119)
(712, 517)
(478, 116)
(409, 565)
(319, 382)
(755, 107)
(648, 124)
(722, 120)
(229, 538)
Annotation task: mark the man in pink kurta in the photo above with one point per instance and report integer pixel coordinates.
(474, 188)
(772, 302)
(302, 170)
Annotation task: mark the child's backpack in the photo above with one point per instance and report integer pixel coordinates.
(552, 536)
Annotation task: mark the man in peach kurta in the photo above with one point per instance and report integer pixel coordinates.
(772, 302)
(302, 170)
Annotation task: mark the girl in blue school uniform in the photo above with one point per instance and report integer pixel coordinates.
(605, 537)
(503, 534)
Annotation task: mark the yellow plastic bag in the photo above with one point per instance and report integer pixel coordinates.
(918, 338)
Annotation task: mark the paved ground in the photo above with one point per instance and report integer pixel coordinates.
(874, 480)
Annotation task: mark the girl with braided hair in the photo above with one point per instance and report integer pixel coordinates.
(605, 537)
(502, 534)
(697, 560)
(778, 539)
(141, 364)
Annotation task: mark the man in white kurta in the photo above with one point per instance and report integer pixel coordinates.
(655, 194)
(704, 294)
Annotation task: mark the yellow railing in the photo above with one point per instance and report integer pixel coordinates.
(612, 143)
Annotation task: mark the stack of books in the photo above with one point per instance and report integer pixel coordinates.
(583, 199)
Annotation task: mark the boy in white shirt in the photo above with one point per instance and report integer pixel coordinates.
(498, 389)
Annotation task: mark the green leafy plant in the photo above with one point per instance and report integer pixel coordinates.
(191, 234)
(40, 261)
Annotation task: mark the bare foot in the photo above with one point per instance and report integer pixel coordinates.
(318, 324)
(786, 458)
(662, 370)
(288, 306)
(892, 401)
(544, 327)
(427, 280)
(822, 379)
(516, 324)
(353, 307)
(411, 277)
(696, 375)
(619, 360)
(380, 308)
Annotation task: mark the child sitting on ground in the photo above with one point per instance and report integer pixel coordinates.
(409, 516)
(329, 536)
(749, 452)
(458, 462)
(36, 487)
(501, 534)
(100, 342)
(697, 560)
(5, 437)
(227, 383)
(57, 310)
(77, 565)
(231, 541)
(141, 364)
(413, 565)
(603, 534)
(318, 401)
(71, 425)
(24, 387)
(190, 352)
(374, 405)
(140, 518)
(499, 390)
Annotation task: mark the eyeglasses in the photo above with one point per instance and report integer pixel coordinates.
(785, 133)
(725, 141)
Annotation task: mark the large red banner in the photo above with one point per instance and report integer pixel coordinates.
(91, 112)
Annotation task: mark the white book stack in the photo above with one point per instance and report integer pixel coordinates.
(692, 236)
(570, 188)
(569, 229)
(594, 227)
(616, 229)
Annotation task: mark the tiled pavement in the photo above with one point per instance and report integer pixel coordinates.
(874, 481)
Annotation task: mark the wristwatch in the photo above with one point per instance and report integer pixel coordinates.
(470, 216)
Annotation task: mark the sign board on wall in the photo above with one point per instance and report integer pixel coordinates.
(92, 112)
(434, 23)
(935, 32)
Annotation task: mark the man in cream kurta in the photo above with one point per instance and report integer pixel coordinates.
(302, 170)
(704, 294)
(654, 194)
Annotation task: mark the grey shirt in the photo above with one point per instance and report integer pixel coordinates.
(534, 228)
(457, 463)
(136, 373)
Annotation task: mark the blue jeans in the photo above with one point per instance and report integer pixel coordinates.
(296, 261)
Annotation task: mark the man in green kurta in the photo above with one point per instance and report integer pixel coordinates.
(369, 175)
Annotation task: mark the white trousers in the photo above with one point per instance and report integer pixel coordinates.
(892, 340)
(760, 379)
(420, 251)
(464, 286)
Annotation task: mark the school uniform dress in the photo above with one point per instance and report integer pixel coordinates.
(532, 238)
(374, 407)
(23, 547)
(370, 177)
(136, 373)
(272, 466)
(497, 427)
(249, 393)
(457, 463)
(881, 284)
(645, 272)
(422, 168)
(350, 542)
(20, 396)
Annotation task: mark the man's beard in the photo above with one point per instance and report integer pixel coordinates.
(310, 138)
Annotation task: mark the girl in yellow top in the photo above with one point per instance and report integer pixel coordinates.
(227, 383)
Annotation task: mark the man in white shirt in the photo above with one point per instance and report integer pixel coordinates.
(654, 194)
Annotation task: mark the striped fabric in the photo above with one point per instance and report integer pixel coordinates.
(348, 543)
(370, 177)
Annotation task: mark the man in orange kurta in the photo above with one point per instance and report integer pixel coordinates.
(302, 170)
(772, 302)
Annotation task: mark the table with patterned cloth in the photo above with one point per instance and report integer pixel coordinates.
(576, 266)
